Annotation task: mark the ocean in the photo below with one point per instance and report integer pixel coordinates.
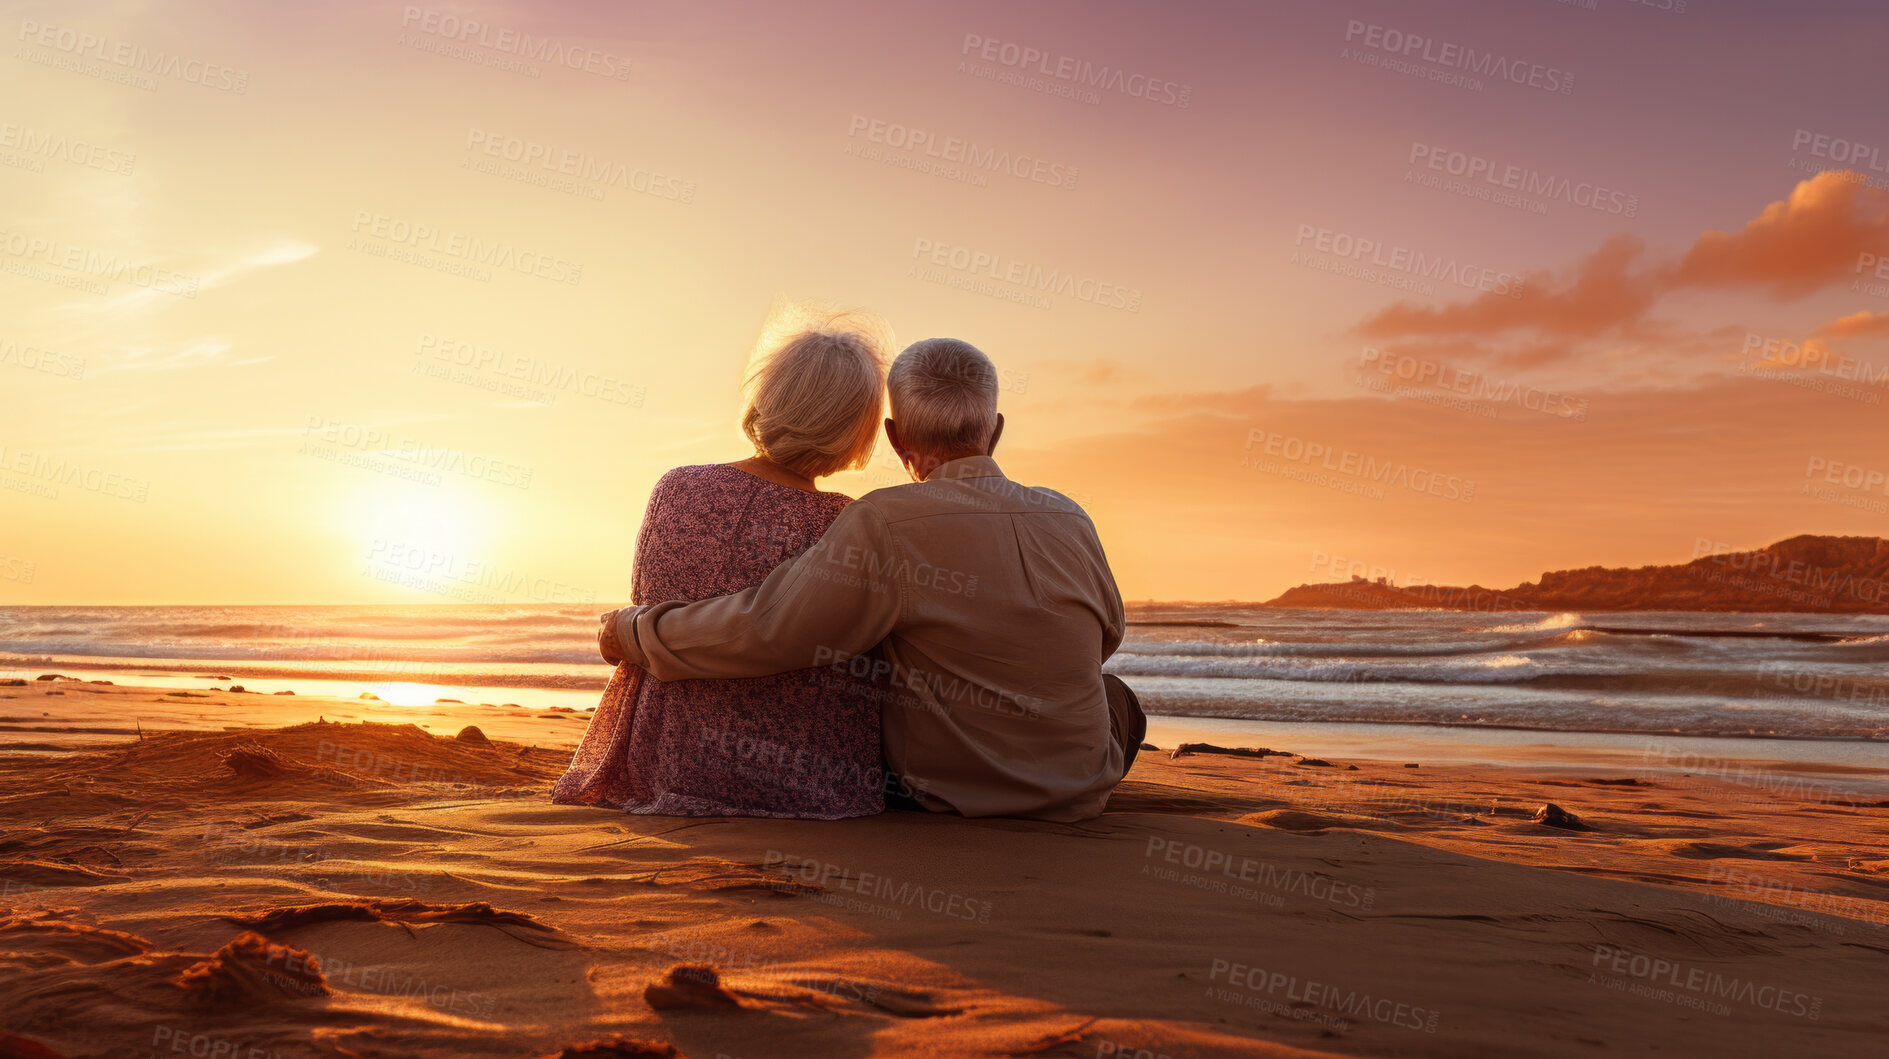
(1776, 676)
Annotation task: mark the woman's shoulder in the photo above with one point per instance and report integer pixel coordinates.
(687, 486)
(727, 476)
(697, 472)
(697, 477)
(713, 486)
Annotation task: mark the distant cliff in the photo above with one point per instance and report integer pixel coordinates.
(1835, 575)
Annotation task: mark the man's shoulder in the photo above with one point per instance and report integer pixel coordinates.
(966, 496)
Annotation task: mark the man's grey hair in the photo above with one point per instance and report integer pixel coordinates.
(944, 397)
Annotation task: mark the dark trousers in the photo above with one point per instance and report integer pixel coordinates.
(1128, 726)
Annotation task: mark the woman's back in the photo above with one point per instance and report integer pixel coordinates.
(714, 529)
(801, 744)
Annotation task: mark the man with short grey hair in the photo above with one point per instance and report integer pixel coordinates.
(944, 400)
(985, 607)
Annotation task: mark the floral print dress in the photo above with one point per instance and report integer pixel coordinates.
(803, 744)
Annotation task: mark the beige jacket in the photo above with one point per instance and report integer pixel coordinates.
(991, 608)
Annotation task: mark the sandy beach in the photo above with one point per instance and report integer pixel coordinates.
(1392, 498)
(349, 888)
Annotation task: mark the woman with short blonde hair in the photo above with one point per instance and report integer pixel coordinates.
(802, 744)
(814, 404)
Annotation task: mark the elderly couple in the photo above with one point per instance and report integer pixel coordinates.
(794, 653)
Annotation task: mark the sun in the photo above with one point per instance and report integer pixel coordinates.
(421, 536)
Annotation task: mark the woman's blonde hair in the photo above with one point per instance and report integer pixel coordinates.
(814, 403)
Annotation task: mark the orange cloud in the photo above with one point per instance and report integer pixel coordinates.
(1805, 243)
(1798, 246)
(1855, 325)
(1601, 294)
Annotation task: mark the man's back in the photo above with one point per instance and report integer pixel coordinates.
(1008, 611)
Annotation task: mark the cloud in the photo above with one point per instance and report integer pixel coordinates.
(1855, 325)
(1600, 295)
(1798, 246)
(203, 351)
(1808, 242)
(282, 252)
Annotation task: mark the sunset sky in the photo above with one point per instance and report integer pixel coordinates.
(361, 302)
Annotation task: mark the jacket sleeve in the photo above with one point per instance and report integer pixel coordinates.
(838, 599)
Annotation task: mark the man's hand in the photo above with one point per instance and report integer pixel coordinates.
(607, 638)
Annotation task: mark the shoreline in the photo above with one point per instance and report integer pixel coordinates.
(272, 703)
(420, 682)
